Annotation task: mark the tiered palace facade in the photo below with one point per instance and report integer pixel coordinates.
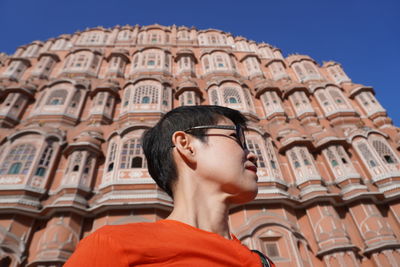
(73, 109)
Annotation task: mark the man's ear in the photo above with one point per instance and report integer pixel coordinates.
(183, 144)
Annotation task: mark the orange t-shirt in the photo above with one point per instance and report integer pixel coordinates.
(163, 243)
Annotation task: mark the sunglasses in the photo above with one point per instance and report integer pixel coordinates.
(240, 137)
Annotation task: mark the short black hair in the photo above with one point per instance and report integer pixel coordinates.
(157, 141)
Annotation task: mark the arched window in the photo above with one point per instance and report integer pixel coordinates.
(132, 155)
(185, 63)
(256, 149)
(95, 62)
(342, 155)
(206, 63)
(233, 63)
(299, 72)
(136, 61)
(166, 60)
(300, 103)
(80, 61)
(219, 61)
(111, 157)
(302, 164)
(338, 97)
(271, 103)
(124, 35)
(277, 70)
(331, 158)
(100, 98)
(141, 37)
(44, 161)
(369, 103)
(367, 155)
(10, 99)
(183, 35)
(154, 38)
(212, 39)
(31, 51)
(384, 152)
(76, 161)
(338, 161)
(323, 99)
(201, 39)
(151, 60)
(75, 100)
(214, 99)
(189, 98)
(231, 95)
(127, 96)
(273, 161)
(149, 91)
(88, 165)
(304, 157)
(57, 97)
(15, 69)
(295, 160)
(248, 99)
(59, 44)
(309, 68)
(44, 66)
(18, 160)
(165, 96)
(109, 101)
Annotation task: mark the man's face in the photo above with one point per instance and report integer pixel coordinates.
(224, 164)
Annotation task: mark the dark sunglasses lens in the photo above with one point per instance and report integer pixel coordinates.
(240, 134)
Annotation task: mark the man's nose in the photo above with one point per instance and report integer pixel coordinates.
(251, 156)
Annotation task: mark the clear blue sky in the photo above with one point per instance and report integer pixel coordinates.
(363, 35)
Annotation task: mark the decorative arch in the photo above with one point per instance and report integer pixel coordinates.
(381, 161)
(272, 234)
(125, 160)
(365, 132)
(153, 34)
(11, 247)
(29, 155)
(151, 58)
(146, 94)
(83, 61)
(94, 36)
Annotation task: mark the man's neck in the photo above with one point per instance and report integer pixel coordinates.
(201, 208)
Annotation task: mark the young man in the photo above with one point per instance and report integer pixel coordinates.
(198, 155)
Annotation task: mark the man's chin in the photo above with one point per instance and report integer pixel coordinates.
(244, 197)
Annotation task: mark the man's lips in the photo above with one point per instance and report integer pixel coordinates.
(252, 168)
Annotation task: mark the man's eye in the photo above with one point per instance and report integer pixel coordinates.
(233, 135)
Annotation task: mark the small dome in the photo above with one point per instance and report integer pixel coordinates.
(91, 134)
(187, 83)
(292, 87)
(327, 135)
(297, 58)
(57, 241)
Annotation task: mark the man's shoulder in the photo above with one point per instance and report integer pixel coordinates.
(125, 230)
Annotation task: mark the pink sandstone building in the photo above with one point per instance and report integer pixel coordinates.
(73, 109)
